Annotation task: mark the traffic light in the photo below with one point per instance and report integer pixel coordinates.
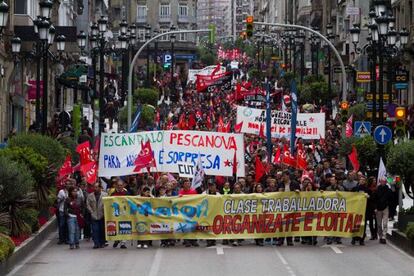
(249, 26)
(344, 111)
(243, 35)
(400, 117)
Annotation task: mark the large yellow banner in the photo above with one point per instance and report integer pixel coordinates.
(282, 214)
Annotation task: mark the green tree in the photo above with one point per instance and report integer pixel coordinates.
(147, 117)
(358, 111)
(400, 161)
(314, 90)
(145, 96)
(366, 147)
(46, 146)
(16, 184)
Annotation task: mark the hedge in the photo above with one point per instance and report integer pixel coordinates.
(6, 247)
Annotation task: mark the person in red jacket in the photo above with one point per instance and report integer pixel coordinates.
(119, 191)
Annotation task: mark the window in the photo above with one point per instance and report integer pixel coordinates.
(141, 34)
(164, 37)
(182, 37)
(141, 12)
(182, 10)
(20, 6)
(164, 10)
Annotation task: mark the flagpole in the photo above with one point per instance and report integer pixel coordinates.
(268, 123)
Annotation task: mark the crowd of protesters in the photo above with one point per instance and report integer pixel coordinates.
(80, 205)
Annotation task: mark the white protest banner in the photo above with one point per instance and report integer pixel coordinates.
(309, 125)
(205, 72)
(119, 150)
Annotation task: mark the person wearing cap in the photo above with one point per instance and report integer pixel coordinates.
(334, 186)
(383, 197)
(362, 187)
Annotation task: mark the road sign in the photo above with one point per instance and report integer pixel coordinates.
(363, 76)
(362, 128)
(350, 10)
(401, 85)
(382, 134)
(167, 58)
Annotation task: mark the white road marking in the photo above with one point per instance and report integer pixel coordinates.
(285, 263)
(156, 263)
(220, 251)
(219, 248)
(282, 259)
(336, 249)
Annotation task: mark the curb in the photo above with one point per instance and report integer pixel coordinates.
(28, 246)
(400, 240)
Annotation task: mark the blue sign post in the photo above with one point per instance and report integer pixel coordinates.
(382, 134)
(362, 128)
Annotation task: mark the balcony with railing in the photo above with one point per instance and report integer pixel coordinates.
(165, 18)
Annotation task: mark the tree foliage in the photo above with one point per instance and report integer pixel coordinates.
(366, 147)
(400, 161)
(145, 96)
(314, 90)
(69, 144)
(207, 55)
(6, 247)
(46, 146)
(358, 111)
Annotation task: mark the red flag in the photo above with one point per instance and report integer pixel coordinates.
(261, 131)
(235, 164)
(287, 158)
(302, 163)
(353, 157)
(348, 129)
(90, 172)
(66, 167)
(277, 158)
(260, 169)
(238, 127)
(84, 153)
(145, 157)
(170, 125)
(182, 123)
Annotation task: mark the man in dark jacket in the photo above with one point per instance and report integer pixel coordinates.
(383, 198)
(362, 187)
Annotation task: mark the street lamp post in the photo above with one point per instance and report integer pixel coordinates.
(102, 26)
(331, 37)
(148, 37)
(156, 32)
(300, 41)
(172, 38)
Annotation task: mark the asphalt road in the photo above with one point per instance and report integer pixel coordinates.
(373, 259)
